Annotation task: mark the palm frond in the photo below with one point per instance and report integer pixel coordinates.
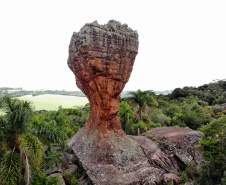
(48, 133)
(10, 168)
(18, 114)
(32, 148)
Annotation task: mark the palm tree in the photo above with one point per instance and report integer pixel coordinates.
(125, 114)
(23, 151)
(143, 100)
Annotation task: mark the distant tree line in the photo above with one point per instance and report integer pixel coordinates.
(18, 92)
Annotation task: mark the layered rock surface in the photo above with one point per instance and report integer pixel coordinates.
(179, 141)
(102, 58)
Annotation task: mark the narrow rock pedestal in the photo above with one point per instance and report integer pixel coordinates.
(102, 58)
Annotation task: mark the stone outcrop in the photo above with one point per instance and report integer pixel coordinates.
(170, 149)
(180, 142)
(102, 58)
(158, 157)
(65, 166)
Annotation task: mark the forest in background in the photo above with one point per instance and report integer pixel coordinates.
(18, 92)
(24, 133)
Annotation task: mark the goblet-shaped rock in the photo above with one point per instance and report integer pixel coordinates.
(102, 57)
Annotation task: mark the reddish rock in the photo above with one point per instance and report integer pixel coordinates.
(102, 57)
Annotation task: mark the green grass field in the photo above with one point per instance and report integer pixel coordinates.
(52, 102)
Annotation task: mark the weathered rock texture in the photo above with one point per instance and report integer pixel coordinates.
(179, 142)
(102, 57)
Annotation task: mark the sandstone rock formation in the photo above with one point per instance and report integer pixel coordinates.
(167, 148)
(102, 57)
(179, 141)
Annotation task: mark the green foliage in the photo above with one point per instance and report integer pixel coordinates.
(42, 178)
(49, 132)
(152, 125)
(190, 173)
(171, 110)
(217, 108)
(22, 137)
(23, 147)
(143, 100)
(76, 128)
(211, 93)
(214, 151)
(52, 127)
(74, 112)
(178, 92)
(126, 115)
(158, 117)
(33, 149)
(10, 168)
(51, 158)
(170, 183)
(140, 125)
(16, 120)
(223, 180)
(70, 179)
(194, 119)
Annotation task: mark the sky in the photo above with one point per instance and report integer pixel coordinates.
(181, 42)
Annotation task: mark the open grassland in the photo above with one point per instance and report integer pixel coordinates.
(52, 102)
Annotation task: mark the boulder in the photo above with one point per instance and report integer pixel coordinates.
(181, 142)
(157, 156)
(67, 165)
(101, 58)
(60, 177)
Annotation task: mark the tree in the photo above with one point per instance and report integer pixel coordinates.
(143, 100)
(125, 114)
(24, 150)
(158, 117)
(178, 92)
(138, 126)
(213, 146)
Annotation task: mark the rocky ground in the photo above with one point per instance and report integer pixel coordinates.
(166, 149)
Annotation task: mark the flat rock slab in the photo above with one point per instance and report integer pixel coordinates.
(179, 141)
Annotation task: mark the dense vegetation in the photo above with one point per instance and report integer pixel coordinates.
(24, 133)
(202, 109)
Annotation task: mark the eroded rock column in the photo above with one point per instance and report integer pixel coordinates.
(102, 57)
